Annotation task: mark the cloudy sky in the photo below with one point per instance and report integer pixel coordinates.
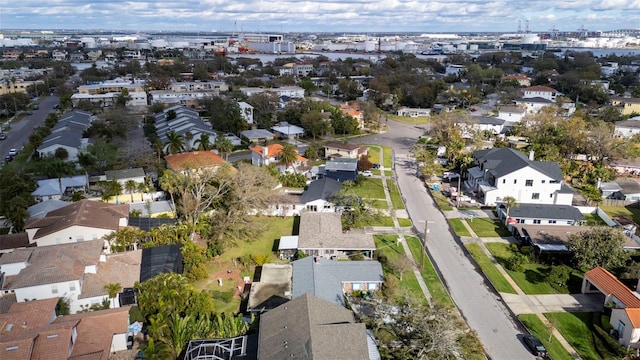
(321, 15)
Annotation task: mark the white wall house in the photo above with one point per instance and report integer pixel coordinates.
(507, 172)
(544, 92)
(246, 111)
(511, 113)
(627, 128)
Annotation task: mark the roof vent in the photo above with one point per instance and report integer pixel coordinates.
(13, 347)
(52, 336)
(9, 327)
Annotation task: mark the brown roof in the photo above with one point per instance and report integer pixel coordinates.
(26, 316)
(52, 264)
(82, 213)
(96, 330)
(634, 316)
(53, 343)
(122, 268)
(193, 160)
(609, 284)
(13, 241)
(308, 327)
(342, 146)
(320, 230)
(540, 88)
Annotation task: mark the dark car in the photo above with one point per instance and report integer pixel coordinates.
(3, 136)
(534, 345)
(376, 166)
(129, 341)
(8, 158)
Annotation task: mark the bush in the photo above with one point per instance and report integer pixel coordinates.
(517, 262)
(605, 343)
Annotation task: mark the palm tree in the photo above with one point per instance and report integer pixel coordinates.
(188, 136)
(203, 143)
(288, 155)
(115, 189)
(156, 350)
(113, 289)
(224, 146)
(509, 202)
(130, 186)
(464, 162)
(175, 143)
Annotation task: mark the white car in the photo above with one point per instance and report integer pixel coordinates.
(13, 152)
(367, 173)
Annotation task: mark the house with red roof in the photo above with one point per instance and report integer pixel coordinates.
(354, 111)
(31, 330)
(270, 154)
(194, 161)
(624, 304)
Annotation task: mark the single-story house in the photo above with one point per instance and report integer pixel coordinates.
(542, 214)
(624, 304)
(270, 154)
(533, 105)
(124, 175)
(257, 135)
(341, 169)
(331, 279)
(413, 112)
(54, 189)
(546, 238)
(512, 113)
(621, 189)
(41, 209)
(284, 130)
(321, 235)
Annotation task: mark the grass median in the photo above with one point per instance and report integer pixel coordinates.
(489, 269)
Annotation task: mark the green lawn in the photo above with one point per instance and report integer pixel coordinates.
(388, 245)
(594, 220)
(379, 204)
(459, 227)
(489, 269)
(370, 188)
(420, 120)
(388, 221)
(486, 227)
(576, 328)
(374, 154)
(388, 157)
(405, 222)
(537, 328)
(533, 278)
(274, 227)
(431, 278)
(396, 199)
(441, 200)
(631, 212)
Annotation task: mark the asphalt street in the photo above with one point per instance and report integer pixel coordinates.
(18, 134)
(479, 304)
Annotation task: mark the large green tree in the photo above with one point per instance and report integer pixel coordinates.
(599, 246)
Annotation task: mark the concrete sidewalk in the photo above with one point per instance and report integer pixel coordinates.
(521, 303)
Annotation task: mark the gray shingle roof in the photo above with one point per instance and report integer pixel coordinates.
(323, 188)
(324, 277)
(546, 211)
(341, 164)
(503, 161)
(485, 120)
(324, 231)
(311, 328)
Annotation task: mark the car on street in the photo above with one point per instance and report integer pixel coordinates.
(8, 158)
(3, 136)
(36, 107)
(367, 173)
(534, 345)
(29, 112)
(13, 152)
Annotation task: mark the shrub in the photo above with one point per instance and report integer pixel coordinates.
(517, 262)
(224, 296)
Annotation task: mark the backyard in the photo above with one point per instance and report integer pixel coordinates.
(230, 269)
(628, 211)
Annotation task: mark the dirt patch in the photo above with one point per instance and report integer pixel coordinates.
(233, 275)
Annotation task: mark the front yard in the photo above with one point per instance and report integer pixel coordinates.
(486, 227)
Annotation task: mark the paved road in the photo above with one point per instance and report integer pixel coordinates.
(19, 133)
(480, 306)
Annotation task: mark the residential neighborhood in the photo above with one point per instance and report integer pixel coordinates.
(181, 203)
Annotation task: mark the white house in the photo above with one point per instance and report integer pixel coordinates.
(627, 128)
(80, 221)
(124, 175)
(246, 111)
(502, 172)
(540, 91)
(533, 105)
(512, 113)
(54, 189)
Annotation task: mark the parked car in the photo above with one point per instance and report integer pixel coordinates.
(376, 166)
(367, 173)
(36, 107)
(29, 112)
(129, 341)
(3, 136)
(534, 345)
(13, 152)
(8, 158)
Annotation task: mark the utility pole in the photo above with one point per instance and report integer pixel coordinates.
(424, 243)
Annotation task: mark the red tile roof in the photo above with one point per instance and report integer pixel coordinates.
(634, 316)
(273, 150)
(193, 160)
(610, 285)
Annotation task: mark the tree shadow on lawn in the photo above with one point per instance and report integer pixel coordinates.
(536, 276)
